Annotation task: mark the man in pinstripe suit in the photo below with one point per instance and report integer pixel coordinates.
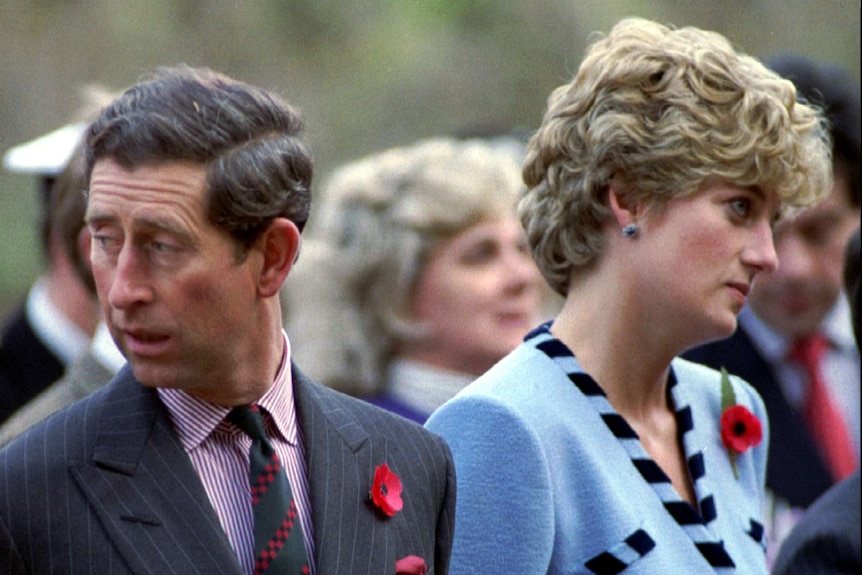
(198, 191)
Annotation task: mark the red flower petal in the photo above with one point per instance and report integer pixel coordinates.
(386, 490)
(411, 565)
(740, 429)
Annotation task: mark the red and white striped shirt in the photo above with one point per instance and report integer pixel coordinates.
(219, 453)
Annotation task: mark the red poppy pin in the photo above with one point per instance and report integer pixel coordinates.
(740, 429)
(411, 565)
(386, 490)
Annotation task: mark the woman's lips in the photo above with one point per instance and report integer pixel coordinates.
(513, 319)
(739, 291)
(742, 288)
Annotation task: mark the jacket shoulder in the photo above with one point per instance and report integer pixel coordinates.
(64, 435)
(354, 417)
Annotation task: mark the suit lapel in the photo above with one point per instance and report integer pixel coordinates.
(349, 536)
(145, 491)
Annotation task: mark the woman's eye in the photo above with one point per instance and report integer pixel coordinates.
(741, 207)
(479, 254)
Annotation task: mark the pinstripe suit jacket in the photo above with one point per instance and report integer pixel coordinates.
(104, 486)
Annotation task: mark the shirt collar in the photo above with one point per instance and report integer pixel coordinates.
(836, 326)
(103, 348)
(56, 331)
(195, 419)
(423, 387)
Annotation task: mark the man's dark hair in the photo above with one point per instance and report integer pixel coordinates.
(67, 206)
(837, 92)
(258, 169)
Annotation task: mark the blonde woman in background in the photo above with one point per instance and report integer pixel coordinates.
(418, 273)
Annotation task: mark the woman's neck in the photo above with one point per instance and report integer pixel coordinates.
(618, 344)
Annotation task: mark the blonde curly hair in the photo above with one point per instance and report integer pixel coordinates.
(664, 109)
(378, 221)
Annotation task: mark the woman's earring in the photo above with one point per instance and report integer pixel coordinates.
(629, 230)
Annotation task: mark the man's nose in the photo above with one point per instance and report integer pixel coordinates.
(129, 284)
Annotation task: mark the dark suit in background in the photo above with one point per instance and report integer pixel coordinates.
(83, 377)
(41, 339)
(828, 538)
(27, 366)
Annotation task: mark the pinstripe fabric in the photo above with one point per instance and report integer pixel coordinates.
(338, 431)
(106, 487)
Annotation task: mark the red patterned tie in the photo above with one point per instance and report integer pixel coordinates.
(278, 543)
(824, 419)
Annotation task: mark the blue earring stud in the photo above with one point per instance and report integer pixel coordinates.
(629, 230)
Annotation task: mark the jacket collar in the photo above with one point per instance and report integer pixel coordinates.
(145, 491)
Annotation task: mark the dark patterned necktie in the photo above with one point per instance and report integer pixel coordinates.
(278, 543)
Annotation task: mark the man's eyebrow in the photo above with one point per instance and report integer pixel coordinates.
(170, 226)
(161, 224)
(92, 218)
(143, 223)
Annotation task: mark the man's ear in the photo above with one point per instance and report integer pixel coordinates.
(279, 245)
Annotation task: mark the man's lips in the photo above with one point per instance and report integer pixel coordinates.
(144, 342)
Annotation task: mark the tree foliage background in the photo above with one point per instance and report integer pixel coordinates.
(368, 74)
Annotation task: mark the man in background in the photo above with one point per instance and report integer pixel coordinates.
(41, 338)
(101, 360)
(828, 539)
(795, 341)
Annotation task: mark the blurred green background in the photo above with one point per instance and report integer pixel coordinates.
(368, 74)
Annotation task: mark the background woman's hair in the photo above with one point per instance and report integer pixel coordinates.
(377, 223)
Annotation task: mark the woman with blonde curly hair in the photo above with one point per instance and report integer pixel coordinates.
(418, 271)
(653, 184)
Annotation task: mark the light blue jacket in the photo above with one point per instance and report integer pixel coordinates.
(544, 485)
